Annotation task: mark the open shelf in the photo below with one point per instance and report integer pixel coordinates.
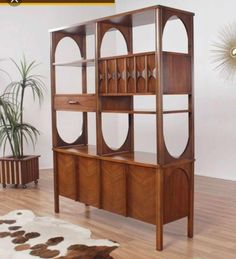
(130, 55)
(125, 94)
(145, 111)
(76, 63)
(176, 111)
(142, 158)
(130, 112)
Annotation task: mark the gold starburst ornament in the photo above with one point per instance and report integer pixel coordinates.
(224, 52)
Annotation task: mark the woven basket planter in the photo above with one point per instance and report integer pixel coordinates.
(19, 171)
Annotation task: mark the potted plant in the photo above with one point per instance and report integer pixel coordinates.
(19, 168)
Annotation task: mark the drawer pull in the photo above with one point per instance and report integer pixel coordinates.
(73, 102)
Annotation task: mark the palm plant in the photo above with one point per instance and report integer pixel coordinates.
(6, 108)
(12, 128)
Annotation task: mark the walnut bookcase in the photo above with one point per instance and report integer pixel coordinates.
(157, 189)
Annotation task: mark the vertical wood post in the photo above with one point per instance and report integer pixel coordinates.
(159, 127)
(84, 89)
(191, 202)
(54, 129)
(98, 111)
(159, 209)
(56, 185)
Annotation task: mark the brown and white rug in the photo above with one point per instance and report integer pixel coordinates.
(23, 236)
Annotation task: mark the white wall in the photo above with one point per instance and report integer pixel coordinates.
(215, 99)
(24, 29)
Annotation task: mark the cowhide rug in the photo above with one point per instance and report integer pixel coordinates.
(23, 236)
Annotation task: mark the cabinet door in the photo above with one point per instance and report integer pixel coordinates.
(66, 175)
(89, 181)
(114, 187)
(141, 193)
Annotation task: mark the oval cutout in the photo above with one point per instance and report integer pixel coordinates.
(69, 125)
(68, 78)
(114, 38)
(175, 37)
(176, 134)
(115, 128)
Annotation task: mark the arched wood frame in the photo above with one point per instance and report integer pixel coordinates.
(81, 43)
(125, 31)
(128, 145)
(177, 179)
(188, 152)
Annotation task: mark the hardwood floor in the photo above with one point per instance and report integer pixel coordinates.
(215, 221)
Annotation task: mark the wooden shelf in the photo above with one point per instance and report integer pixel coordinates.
(141, 158)
(76, 63)
(137, 54)
(145, 159)
(176, 111)
(145, 111)
(125, 94)
(130, 112)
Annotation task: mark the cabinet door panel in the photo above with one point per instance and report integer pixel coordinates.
(89, 181)
(66, 176)
(113, 187)
(141, 193)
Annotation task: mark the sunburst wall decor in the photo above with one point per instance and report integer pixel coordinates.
(224, 52)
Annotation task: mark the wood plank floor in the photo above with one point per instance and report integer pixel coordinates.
(215, 221)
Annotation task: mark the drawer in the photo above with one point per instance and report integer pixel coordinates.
(71, 102)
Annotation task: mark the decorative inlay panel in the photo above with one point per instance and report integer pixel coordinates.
(134, 73)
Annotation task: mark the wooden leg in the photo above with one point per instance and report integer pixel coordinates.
(159, 237)
(159, 209)
(190, 226)
(56, 203)
(56, 192)
(191, 204)
(87, 211)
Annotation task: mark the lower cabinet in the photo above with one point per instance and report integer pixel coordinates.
(66, 168)
(113, 187)
(128, 190)
(89, 181)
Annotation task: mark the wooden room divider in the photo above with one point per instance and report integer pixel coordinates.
(155, 188)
